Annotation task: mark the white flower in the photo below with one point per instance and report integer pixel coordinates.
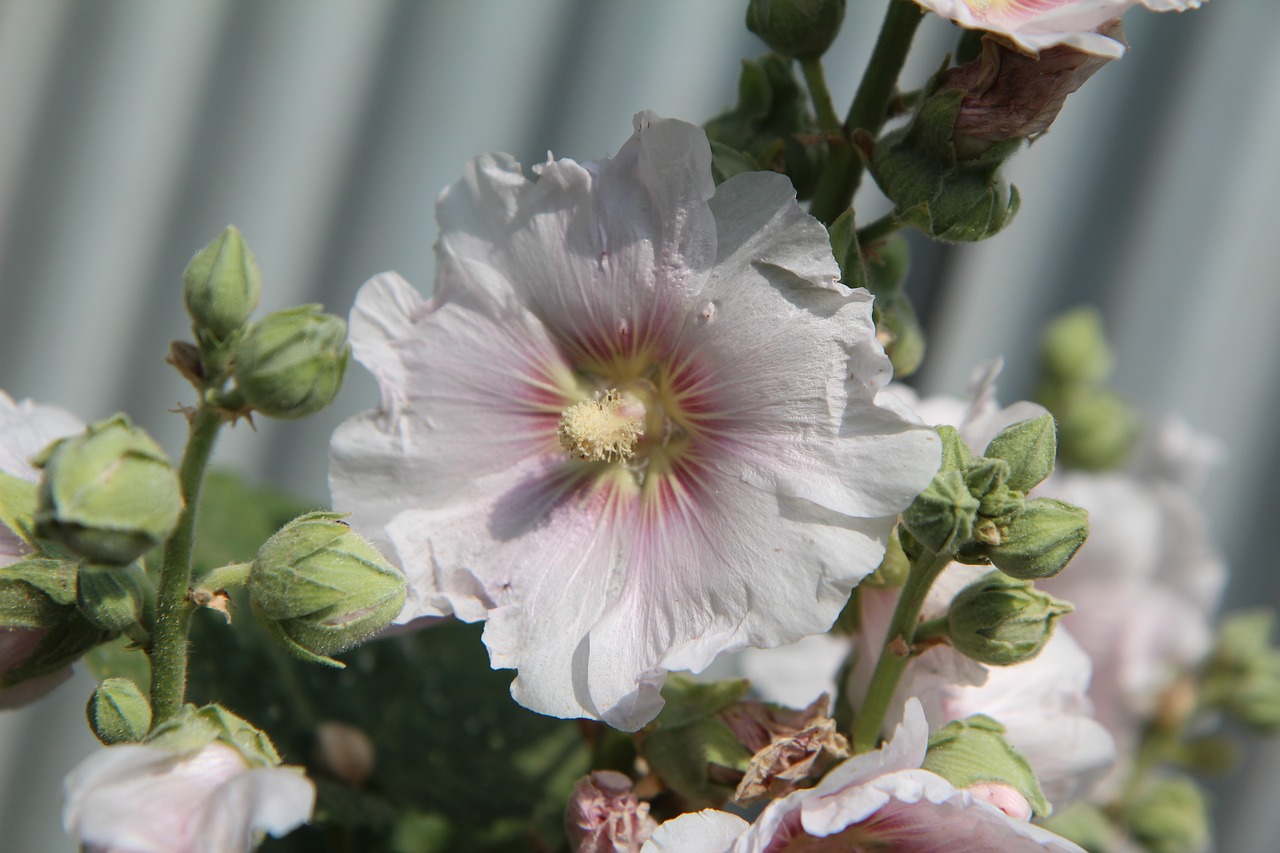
(144, 799)
(878, 800)
(1034, 25)
(636, 426)
(25, 429)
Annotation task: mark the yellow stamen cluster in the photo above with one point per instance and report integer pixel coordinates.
(599, 430)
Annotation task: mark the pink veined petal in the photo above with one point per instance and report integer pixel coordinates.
(273, 800)
(707, 831)
(448, 417)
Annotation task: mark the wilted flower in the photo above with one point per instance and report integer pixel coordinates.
(1034, 25)
(144, 799)
(637, 426)
(604, 815)
(877, 800)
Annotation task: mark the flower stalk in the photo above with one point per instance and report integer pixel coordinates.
(897, 650)
(869, 108)
(169, 639)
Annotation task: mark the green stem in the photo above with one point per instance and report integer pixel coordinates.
(169, 640)
(823, 106)
(231, 576)
(878, 230)
(932, 629)
(869, 109)
(897, 650)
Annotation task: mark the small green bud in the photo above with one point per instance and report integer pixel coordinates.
(1041, 540)
(983, 476)
(1001, 621)
(1171, 816)
(1029, 447)
(117, 599)
(941, 517)
(956, 455)
(1074, 349)
(966, 752)
(222, 285)
(108, 495)
(118, 712)
(290, 364)
(321, 588)
(1098, 431)
(802, 29)
(1243, 672)
(1086, 825)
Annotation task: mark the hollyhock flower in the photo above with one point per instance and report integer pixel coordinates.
(877, 800)
(25, 429)
(144, 799)
(1034, 25)
(604, 815)
(637, 425)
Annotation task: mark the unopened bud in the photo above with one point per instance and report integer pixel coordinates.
(290, 364)
(222, 285)
(1098, 431)
(974, 752)
(802, 29)
(108, 495)
(1170, 816)
(116, 598)
(1029, 447)
(35, 593)
(1001, 621)
(1074, 349)
(942, 516)
(321, 588)
(118, 712)
(1041, 540)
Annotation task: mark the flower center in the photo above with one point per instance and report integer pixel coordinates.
(603, 430)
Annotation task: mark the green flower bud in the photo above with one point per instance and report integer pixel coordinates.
(1171, 816)
(802, 29)
(1001, 621)
(727, 162)
(321, 588)
(1086, 825)
(1029, 447)
(1243, 672)
(222, 285)
(1098, 431)
(1074, 349)
(118, 712)
(290, 364)
(983, 476)
(956, 455)
(941, 517)
(934, 191)
(966, 752)
(116, 599)
(108, 495)
(1041, 540)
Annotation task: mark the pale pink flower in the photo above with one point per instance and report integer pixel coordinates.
(874, 801)
(693, 344)
(1034, 25)
(144, 799)
(604, 815)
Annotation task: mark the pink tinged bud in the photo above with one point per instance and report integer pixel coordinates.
(605, 816)
(1004, 797)
(16, 645)
(1012, 95)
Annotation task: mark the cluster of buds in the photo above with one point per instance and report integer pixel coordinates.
(287, 365)
(977, 510)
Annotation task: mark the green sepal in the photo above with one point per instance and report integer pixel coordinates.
(966, 752)
(118, 712)
(941, 517)
(1170, 816)
(1029, 447)
(118, 599)
(956, 455)
(194, 728)
(34, 593)
(727, 161)
(848, 254)
(1041, 540)
(684, 757)
(689, 700)
(18, 502)
(985, 475)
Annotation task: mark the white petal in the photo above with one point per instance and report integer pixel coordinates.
(707, 831)
(26, 428)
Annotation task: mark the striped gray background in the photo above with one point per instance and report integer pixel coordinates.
(131, 131)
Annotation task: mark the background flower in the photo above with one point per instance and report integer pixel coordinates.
(765, 476)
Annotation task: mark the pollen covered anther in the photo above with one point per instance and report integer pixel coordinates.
(601, 430)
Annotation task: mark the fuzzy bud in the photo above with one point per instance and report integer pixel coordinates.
(942, 516)
(116, 599)
(118, 712)
(801, 29)
(290, 364)
(321, 588)
(108, 495)
(222, 285)
(1041, 540)
(1001, 621)
(974, 752)
(1029, 447)
(1171, 816)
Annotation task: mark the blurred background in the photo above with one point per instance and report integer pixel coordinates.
(132, 131)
